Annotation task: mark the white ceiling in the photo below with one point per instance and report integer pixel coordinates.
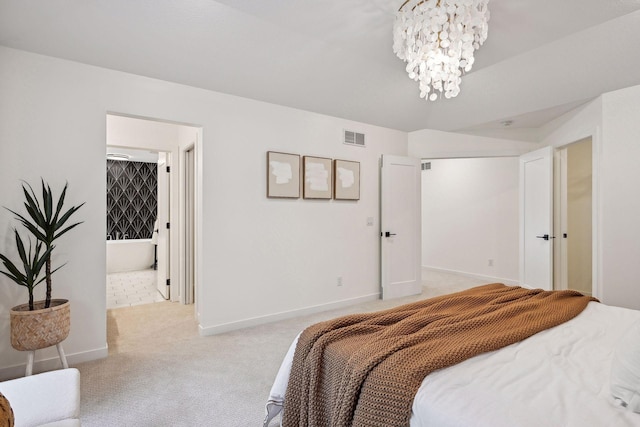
(542, 57)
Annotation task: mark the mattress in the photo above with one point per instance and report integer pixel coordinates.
(558, 377)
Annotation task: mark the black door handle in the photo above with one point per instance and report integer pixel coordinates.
(546, 237)
(389, 234)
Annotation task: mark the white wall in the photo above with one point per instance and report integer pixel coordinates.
(612, 121)
(434, 144)
(136, 132)
(470, 216)
(52, 127)
(262, 259)
(620, 201)
(583, 122)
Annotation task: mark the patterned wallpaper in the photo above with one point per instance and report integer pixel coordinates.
(132, 199)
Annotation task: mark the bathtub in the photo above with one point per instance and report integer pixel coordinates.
(129, 255)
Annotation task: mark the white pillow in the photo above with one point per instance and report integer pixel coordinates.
(625, 369)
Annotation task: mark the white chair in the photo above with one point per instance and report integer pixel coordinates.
(50, 399)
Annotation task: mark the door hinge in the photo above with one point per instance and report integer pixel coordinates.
(168, 225)
(168, 169)
(168, 282)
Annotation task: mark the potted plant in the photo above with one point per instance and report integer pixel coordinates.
(39, 324)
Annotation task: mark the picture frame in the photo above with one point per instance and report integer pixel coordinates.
(346, 180)
(318, 177)
(283, 175)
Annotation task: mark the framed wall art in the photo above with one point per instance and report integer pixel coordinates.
(318, 177)
(283, 175)
(346, 180)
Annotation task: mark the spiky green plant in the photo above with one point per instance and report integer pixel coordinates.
(32, 263)
(46, 221)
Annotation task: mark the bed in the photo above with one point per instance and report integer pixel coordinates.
(582, 372)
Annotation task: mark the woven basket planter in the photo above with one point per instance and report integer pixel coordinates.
(42, 327)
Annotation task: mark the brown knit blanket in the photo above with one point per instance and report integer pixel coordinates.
(365, 369)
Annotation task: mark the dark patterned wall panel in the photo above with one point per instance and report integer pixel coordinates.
(132, 199)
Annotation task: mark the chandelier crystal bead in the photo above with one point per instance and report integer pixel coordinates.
(437, 40)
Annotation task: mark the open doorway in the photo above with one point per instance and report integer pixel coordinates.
(171, 143)
(574, 217)
(470, 217)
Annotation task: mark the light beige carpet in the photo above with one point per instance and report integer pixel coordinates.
(160, 372)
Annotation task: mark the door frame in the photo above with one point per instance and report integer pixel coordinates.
(175, 183)
(560, 273)
(187, 143)
(596, 207)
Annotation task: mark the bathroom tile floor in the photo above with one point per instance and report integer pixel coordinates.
(132, 288)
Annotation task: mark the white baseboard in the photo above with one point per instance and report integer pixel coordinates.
(489, 279)
(255, 321)
(52, 363)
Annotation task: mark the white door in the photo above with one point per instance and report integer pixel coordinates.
(163, 231)
(400, 227)
(536, 219)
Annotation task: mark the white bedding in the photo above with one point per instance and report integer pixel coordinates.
(558, 377)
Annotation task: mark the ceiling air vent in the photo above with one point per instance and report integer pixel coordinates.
(354, 138)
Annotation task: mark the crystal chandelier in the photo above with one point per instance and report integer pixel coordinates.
(437, 38)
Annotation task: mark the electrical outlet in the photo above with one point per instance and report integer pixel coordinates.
(339, 281)
(490, 263)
